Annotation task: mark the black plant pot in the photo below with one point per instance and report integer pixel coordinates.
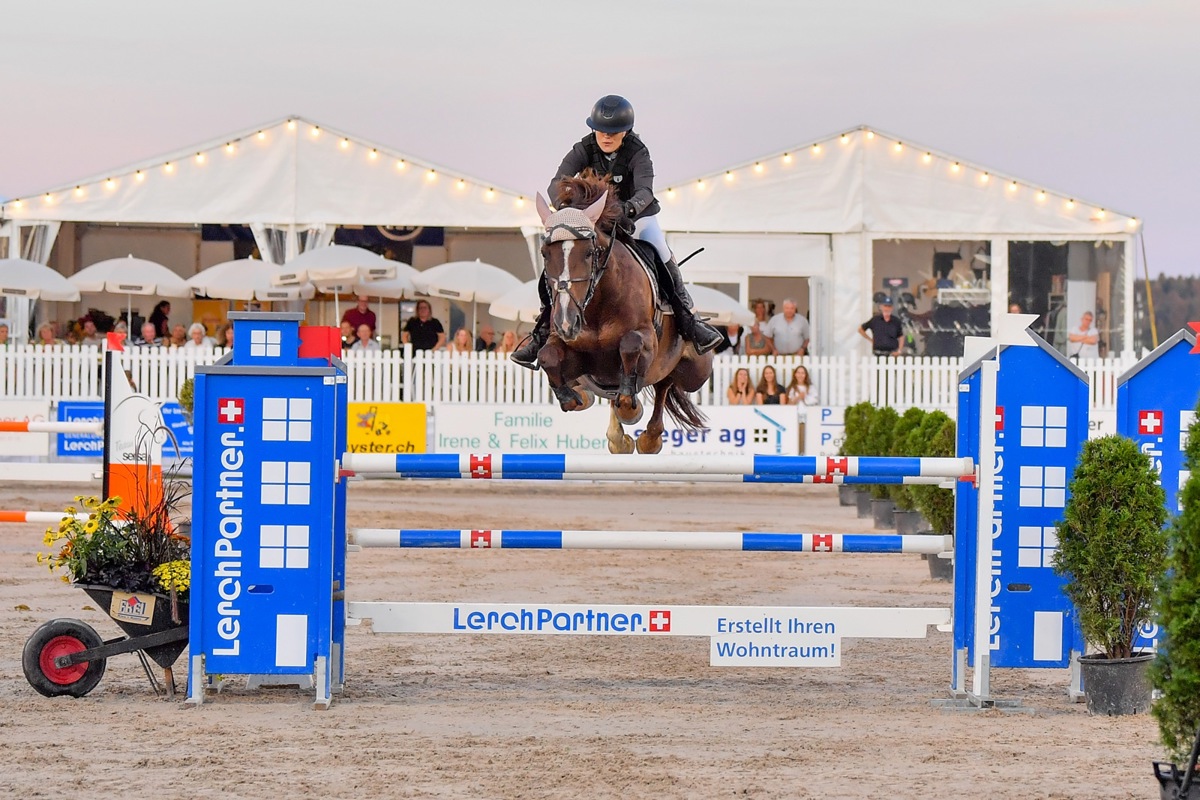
(882, 511)
(940, 569)
(1116, 686)
(846, 494)
(862, 499)
(909, 522)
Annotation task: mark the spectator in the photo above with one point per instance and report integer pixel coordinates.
(486, 341)
(349, 336)
(762, 312)
(1014, 308)
(886, 335)
(740, 391)
(178, 335)
(1084, 341)
(46, 337)
(365, 340)
(423, 331)
(158, 318)
(4, 343)
(788, 331)
(462, 342)
(148, 337)
(225, 335)
(769, 392)
(361, 314)
(731, 339)
(508, 343)
(800, 391)
(91, 336)
(198, 338)
(757, 343)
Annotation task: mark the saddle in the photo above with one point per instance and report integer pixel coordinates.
(651, 263)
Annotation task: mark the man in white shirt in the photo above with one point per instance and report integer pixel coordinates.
(788, 331)
(1084, 341)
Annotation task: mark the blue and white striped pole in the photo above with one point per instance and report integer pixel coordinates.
(651, 540)
(552, 466)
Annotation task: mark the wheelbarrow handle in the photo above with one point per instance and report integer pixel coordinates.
(126, 645)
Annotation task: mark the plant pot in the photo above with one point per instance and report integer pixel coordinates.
(908, 522)
(940, 569)
(882, 511)
(846, 494)
(862, 499)
(1116, 686)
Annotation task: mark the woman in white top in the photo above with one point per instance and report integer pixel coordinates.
(198, 338)
(365, 341)
(800, 391)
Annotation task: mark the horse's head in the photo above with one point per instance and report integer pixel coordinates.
(572, 255)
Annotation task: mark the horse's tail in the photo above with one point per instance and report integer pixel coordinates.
(681, 408)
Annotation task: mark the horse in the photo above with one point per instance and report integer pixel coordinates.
(604, 338)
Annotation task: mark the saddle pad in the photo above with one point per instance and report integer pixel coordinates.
(647, 256)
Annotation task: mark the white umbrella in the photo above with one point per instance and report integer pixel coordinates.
(245, 279)
(469, 281)
(718, 306)
(130, 276)
(334, 267)
(521, 304)
(20, 277)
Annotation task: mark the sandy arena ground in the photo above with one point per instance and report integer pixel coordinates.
(536, 717)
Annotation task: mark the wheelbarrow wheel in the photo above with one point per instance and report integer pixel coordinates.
(56, 638)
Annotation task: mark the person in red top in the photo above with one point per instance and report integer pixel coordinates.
(361, 314)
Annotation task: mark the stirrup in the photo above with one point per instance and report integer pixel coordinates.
(526, 354)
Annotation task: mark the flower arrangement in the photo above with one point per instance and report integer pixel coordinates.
(133, 552)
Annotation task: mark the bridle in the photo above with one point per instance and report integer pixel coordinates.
(596, 268)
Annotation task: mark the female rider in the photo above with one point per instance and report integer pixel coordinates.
(615, 151)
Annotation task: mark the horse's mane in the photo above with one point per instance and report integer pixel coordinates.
(585, 189)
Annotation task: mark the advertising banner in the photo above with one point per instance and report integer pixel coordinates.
(80, 444)
(24, 444)
(732, 430)
(386, 428)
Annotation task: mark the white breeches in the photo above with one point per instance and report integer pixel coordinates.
(648, 230)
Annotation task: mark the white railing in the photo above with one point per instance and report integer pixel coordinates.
(77, 373)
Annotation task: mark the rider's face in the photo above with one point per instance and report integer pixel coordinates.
(610, 142)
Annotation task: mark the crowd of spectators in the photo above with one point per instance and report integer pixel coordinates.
(743, 391)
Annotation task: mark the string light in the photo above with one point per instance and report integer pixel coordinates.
(291, 124)
(345, 142)
(955, 167)
(870, 134)
(1132, 222)
(729, 176)
(700, 184)
(316, 131)
(168, 167)
(927, 157)
(490, 194)
(262, 135)
(17, 203)
(47, 199)
(461, 184)
(898, 147)
(1041, 196)
(374, 154)
(1071, 204)
(1012, 186)
(431, 175)
(79, 191)
(1100, 213)
(110, 184)
(758, 167)
(229, 148)
(671, 193)
(139, 176)
(400, 163)
(984, 177)
(845, 138)
(520, 202)
(199, 158)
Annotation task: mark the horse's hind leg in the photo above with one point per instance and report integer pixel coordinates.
(618, 440)
(651, 439)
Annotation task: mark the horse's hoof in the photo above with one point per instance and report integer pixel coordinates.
(589, 399)
(629, 414)
(649, 444)
(621, 447)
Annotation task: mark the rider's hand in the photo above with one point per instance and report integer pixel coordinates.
(630, 209)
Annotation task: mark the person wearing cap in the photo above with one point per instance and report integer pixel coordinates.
(615, 152)
(885, 333)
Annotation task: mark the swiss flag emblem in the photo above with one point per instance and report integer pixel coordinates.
(822, 479)
(822, 543)
(999, 418)
(481, 539)
(1150, 423)
(835, 466)
(231, 410)
(660, 621)
(481, 466)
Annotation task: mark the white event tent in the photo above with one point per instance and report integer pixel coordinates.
(833, 221)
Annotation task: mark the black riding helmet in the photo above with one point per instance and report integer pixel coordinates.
(611, 114)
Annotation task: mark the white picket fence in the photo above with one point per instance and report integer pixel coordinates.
(401, 376)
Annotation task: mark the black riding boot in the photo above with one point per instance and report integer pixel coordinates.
(526, 354)
(704, 337)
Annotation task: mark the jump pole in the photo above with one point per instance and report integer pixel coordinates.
(667, 477)
(744, 541)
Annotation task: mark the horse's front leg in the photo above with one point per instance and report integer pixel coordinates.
(651, 439)
(562, 368)
(637, 353)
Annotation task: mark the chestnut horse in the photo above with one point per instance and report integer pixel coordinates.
(603, 339)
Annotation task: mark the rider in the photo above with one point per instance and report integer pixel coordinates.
(615, 151)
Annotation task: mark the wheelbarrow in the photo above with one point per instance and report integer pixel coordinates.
(1174, 785)
(67, 656)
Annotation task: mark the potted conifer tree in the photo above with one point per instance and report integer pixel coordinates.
(857, 422)
(1176, 671)
(907, 518)
(1112, 549)
(879, 443)
(935, 438)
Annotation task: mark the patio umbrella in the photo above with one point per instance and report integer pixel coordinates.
(718, 306)
(245, 279)
(20, 277)
(333, 267)
(473, 281)
(520, 304)
(130, 276)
